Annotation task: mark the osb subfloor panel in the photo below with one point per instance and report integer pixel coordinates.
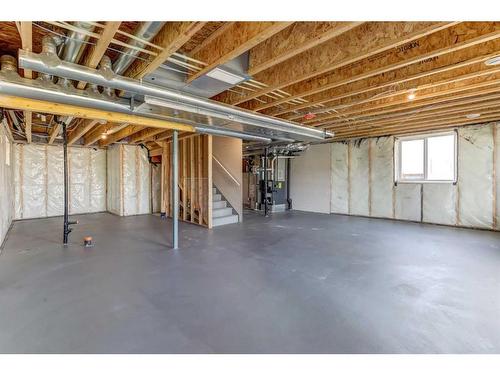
(293, 283)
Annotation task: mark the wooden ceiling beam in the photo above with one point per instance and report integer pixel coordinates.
(170, 38)
(145, 134)
(422, 108)
(418, 128)
(419, 88)
(25, 29)
(211, 37)
(97, 51)
(471, 97)
(42, 106)
(428, 51)
(123, 133)
(484, 109)
(96, 134)
(54, 132)
(421, 114)
(409, 75)
(369, 39)
(435, 95)
(293, 40)
(81, 128)
(237, 39)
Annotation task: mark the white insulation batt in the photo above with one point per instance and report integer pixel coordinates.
(439, 203)
(39, 184)
(156, 188)
(407, 202)
(6, 183)
(475, 176)
(358, 183)
(497, 174)
(114, 202)
(362, 182)
(129, 180)
(381, 176)
(339, 183)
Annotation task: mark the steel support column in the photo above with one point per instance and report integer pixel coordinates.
(175, 189)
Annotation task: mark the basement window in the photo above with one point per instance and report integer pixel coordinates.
(426, 158)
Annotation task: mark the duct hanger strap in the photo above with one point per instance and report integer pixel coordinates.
(49, 65)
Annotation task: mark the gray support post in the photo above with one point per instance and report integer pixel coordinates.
(175, 189)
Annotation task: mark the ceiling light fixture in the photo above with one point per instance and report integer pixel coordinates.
(225, 76)
(104, 136)
(472, 115)
(309, 116)
(412, 94)
(493, 61)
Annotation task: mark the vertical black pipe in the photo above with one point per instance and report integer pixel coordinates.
(66, 183)
(288, 168)
(265, 183)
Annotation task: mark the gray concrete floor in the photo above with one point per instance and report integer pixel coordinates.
(293, 283)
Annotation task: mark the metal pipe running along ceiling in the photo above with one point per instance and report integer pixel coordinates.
(12, 84)
(49, 63)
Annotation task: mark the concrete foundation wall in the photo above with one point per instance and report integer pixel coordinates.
(6, 184)
(359, 178)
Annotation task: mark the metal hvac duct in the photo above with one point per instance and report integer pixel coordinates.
(73, 46)
(231, 133)
(51, 64)
(146, 31)
(11, 83)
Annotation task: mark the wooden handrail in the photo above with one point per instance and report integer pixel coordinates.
(226, 170)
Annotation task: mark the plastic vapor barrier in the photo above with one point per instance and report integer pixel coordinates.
(6, 183)
(97, 180)
(359, 204)
(340, 184)
(156, 187)
(129, 180)
(439, 203)
(136, 181)
(407, 202)
(362, 182)
(39, 180)
(382, 176)
(114, 180)
(55, 182)
(33, 188)
(497, 174)
(475, 176)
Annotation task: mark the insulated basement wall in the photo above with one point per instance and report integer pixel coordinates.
(475, 176)
(497, 175)
(358, 178)
(6, 184)
(156, 188)
(340, 178)
(310, 179)
(381, 183)
(114, 180)
(129, 180)
(39, 183)
(362, 182)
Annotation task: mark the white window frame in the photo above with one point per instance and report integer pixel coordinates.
(424, 137)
